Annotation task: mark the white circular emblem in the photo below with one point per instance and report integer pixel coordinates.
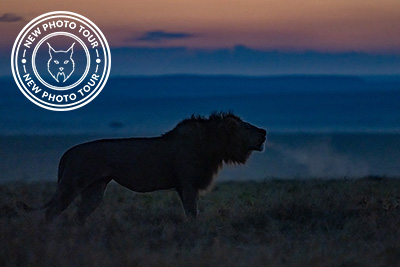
(61, 61)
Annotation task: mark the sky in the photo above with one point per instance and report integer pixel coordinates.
(250, 37)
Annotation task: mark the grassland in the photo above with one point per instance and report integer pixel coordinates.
(273, 223)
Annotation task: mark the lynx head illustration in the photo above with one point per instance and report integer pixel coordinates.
(61, 65)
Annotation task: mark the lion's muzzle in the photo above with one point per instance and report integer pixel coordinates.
(262, 137)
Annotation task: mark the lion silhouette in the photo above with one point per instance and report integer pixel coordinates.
(185, 159)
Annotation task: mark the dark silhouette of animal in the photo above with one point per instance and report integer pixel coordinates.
(185, 159)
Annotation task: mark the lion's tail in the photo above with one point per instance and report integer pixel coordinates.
(22, 205)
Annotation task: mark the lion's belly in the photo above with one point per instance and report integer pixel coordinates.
(141, 177)
(143, 184)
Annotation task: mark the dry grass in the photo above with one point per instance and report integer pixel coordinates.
(274, 223)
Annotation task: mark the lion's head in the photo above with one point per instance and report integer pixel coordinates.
(240, 138)
(222, 136)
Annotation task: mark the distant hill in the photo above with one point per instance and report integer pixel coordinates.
(199, 85)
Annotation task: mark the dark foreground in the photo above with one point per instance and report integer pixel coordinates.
(274, 223)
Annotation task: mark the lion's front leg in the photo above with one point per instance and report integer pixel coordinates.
(189, 197)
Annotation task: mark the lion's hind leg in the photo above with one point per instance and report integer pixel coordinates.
(60, 201)
(91, 198)
(68, 188)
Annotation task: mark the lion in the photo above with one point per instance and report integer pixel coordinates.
(184, 159)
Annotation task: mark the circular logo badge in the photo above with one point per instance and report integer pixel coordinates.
(61, 61)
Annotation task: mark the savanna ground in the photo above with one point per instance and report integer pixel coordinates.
(273, 223)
